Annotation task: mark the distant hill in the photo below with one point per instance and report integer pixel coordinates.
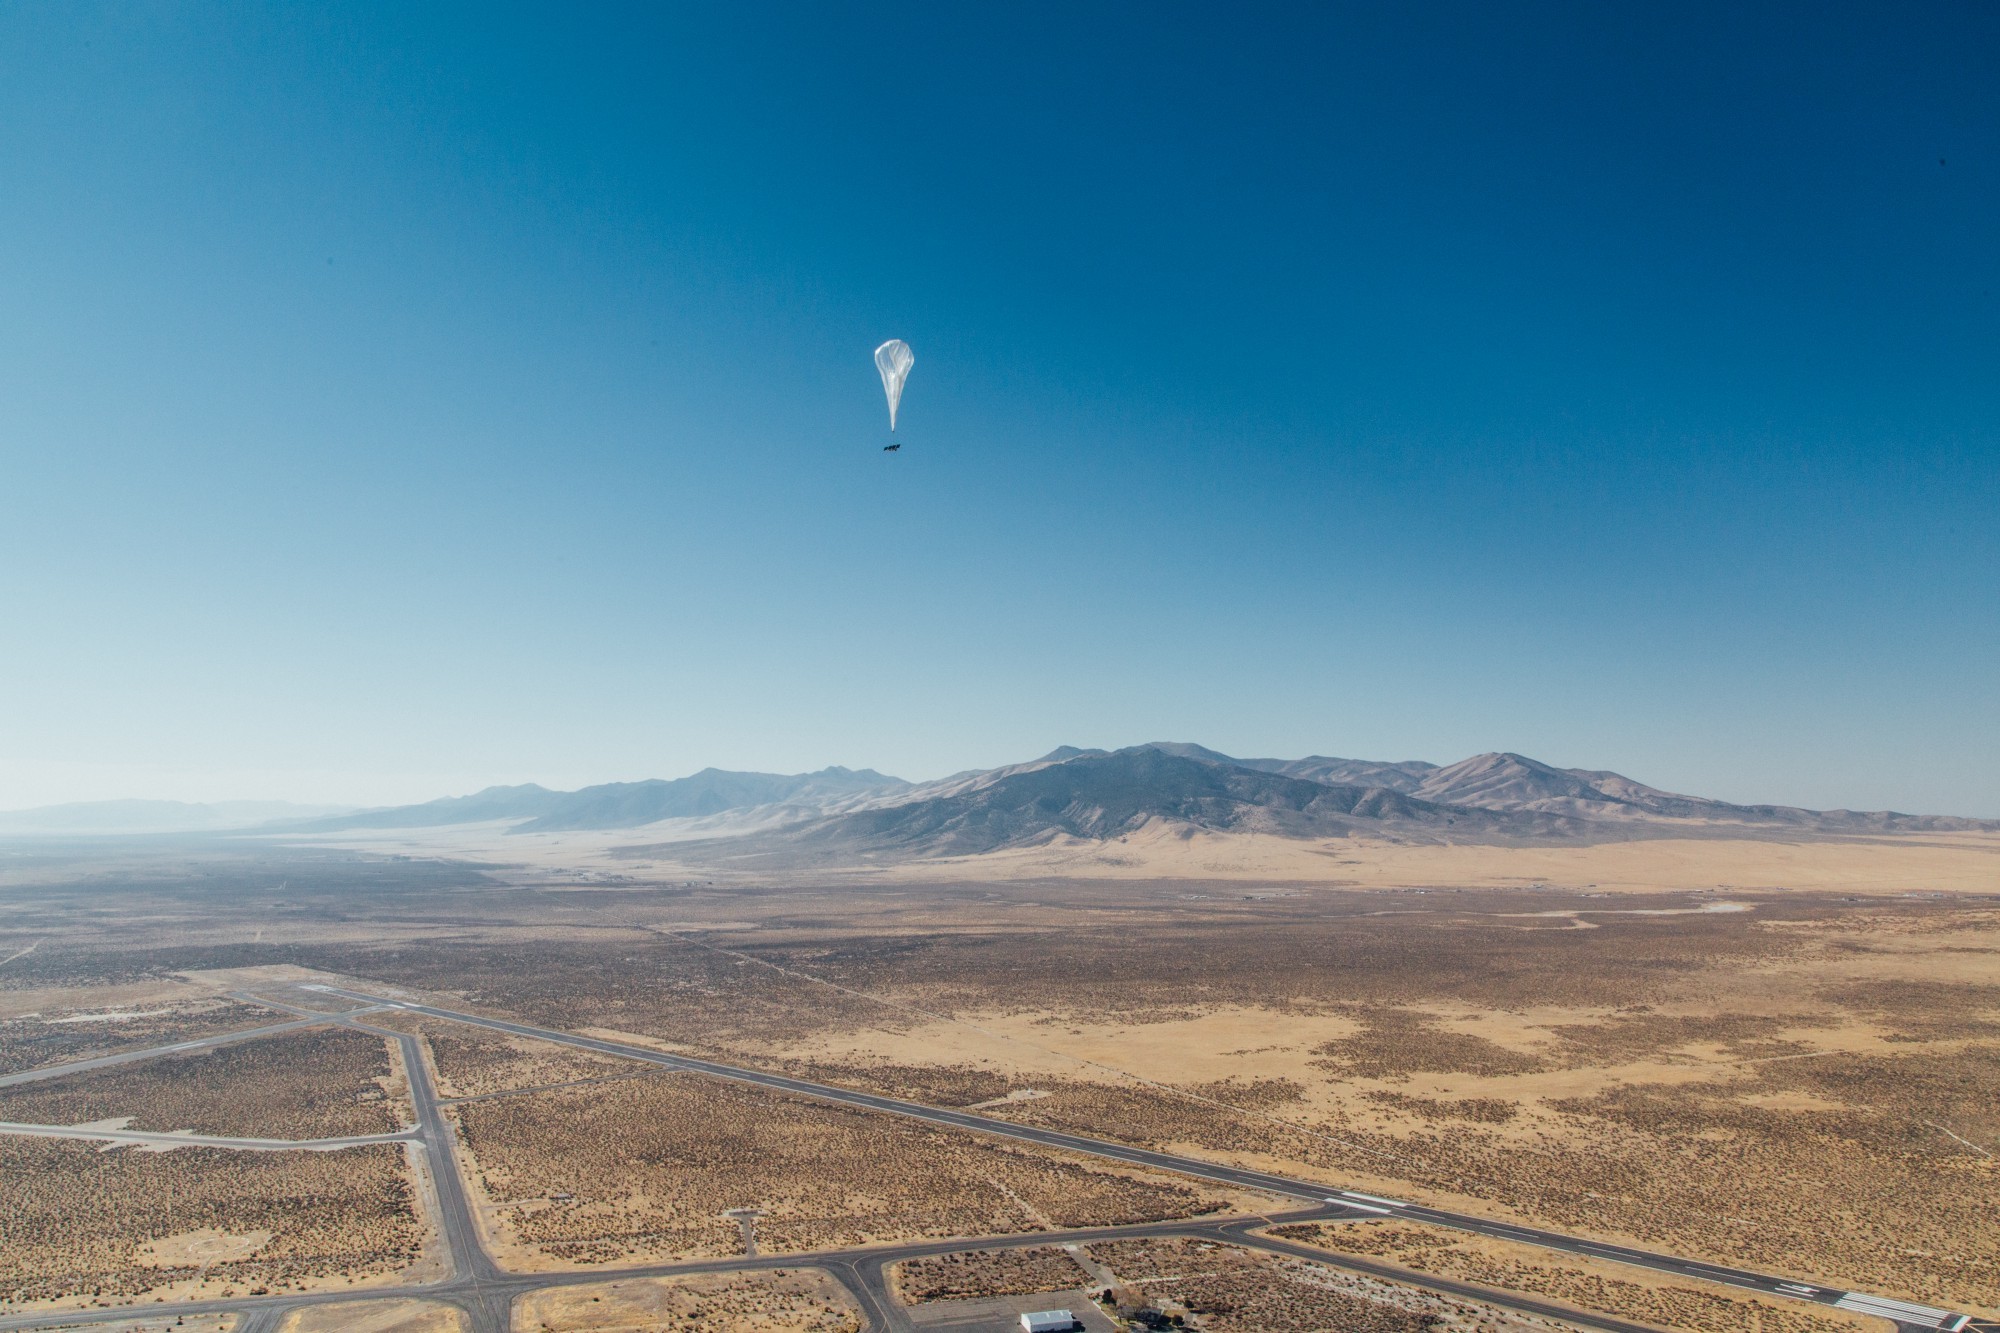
(1505, 781)
(622, 804)
(709, 792)
(1099, 794)
(524, 801)
(95, 817)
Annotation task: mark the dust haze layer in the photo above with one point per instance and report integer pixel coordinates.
(712, 791)
(87, 818)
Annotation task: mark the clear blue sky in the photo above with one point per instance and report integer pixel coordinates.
(396, 399)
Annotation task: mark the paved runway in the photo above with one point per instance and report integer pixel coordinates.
(1908, 1314)
(479, 1286)
(154, 1052)
(486, 1293)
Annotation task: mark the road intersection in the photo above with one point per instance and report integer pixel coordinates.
(1911, 1315)
(485, 1292)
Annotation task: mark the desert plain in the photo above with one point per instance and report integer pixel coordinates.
(219, 1105)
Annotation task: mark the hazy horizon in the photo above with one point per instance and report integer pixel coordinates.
(476, 785)
(399, 402)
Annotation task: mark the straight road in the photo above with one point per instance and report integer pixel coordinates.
(157, 1140)
(485, 1292)
(1237, 1233)
(869, 1268)
(1902, 1312)
(478, 1285)
(862, 1271)
(152, 1052)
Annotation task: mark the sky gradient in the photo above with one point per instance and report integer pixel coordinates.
(407, 398)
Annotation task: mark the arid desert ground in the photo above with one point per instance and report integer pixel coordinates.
(1783, 1059)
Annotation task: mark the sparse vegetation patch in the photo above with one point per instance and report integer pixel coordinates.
(321, 1083)
(61, 1036)
(799, 1300)
(472, 1063)
(970, 1274)
(1691, 1306)
(1228, 1289)
(77, 1224)
(648, 1168)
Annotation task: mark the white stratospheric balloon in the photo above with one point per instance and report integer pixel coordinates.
(894, 359)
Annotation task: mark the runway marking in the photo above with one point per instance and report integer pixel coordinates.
(1903, 1312)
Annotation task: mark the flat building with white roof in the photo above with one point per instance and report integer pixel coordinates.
(1048, 1321)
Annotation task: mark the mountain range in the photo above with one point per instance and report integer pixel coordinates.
(1103, 794)
(712, 791)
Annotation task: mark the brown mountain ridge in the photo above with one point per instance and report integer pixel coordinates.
(1102, 795)
(1097, 795)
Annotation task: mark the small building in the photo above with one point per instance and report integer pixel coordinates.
(1049, 1321)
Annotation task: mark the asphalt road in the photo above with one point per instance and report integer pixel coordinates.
(861, 1271)
(480, 1288)
(149, 1138)
(127, 1057)
(1238, 1231)
(1904, 1313)
(486, 1293)
(1233, 1234)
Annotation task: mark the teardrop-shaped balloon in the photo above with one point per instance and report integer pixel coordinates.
(894, 359)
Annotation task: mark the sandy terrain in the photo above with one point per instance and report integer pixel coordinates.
(1756, 1091)
(201, 1248)
(392, 1316)
(649, 1170)
(1705, 859)
(1207, 1048)
(193, 1323)
(796, 1300)
(1965, 862)
(1796, 1080)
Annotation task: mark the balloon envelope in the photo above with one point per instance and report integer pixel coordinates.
(894, 359)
